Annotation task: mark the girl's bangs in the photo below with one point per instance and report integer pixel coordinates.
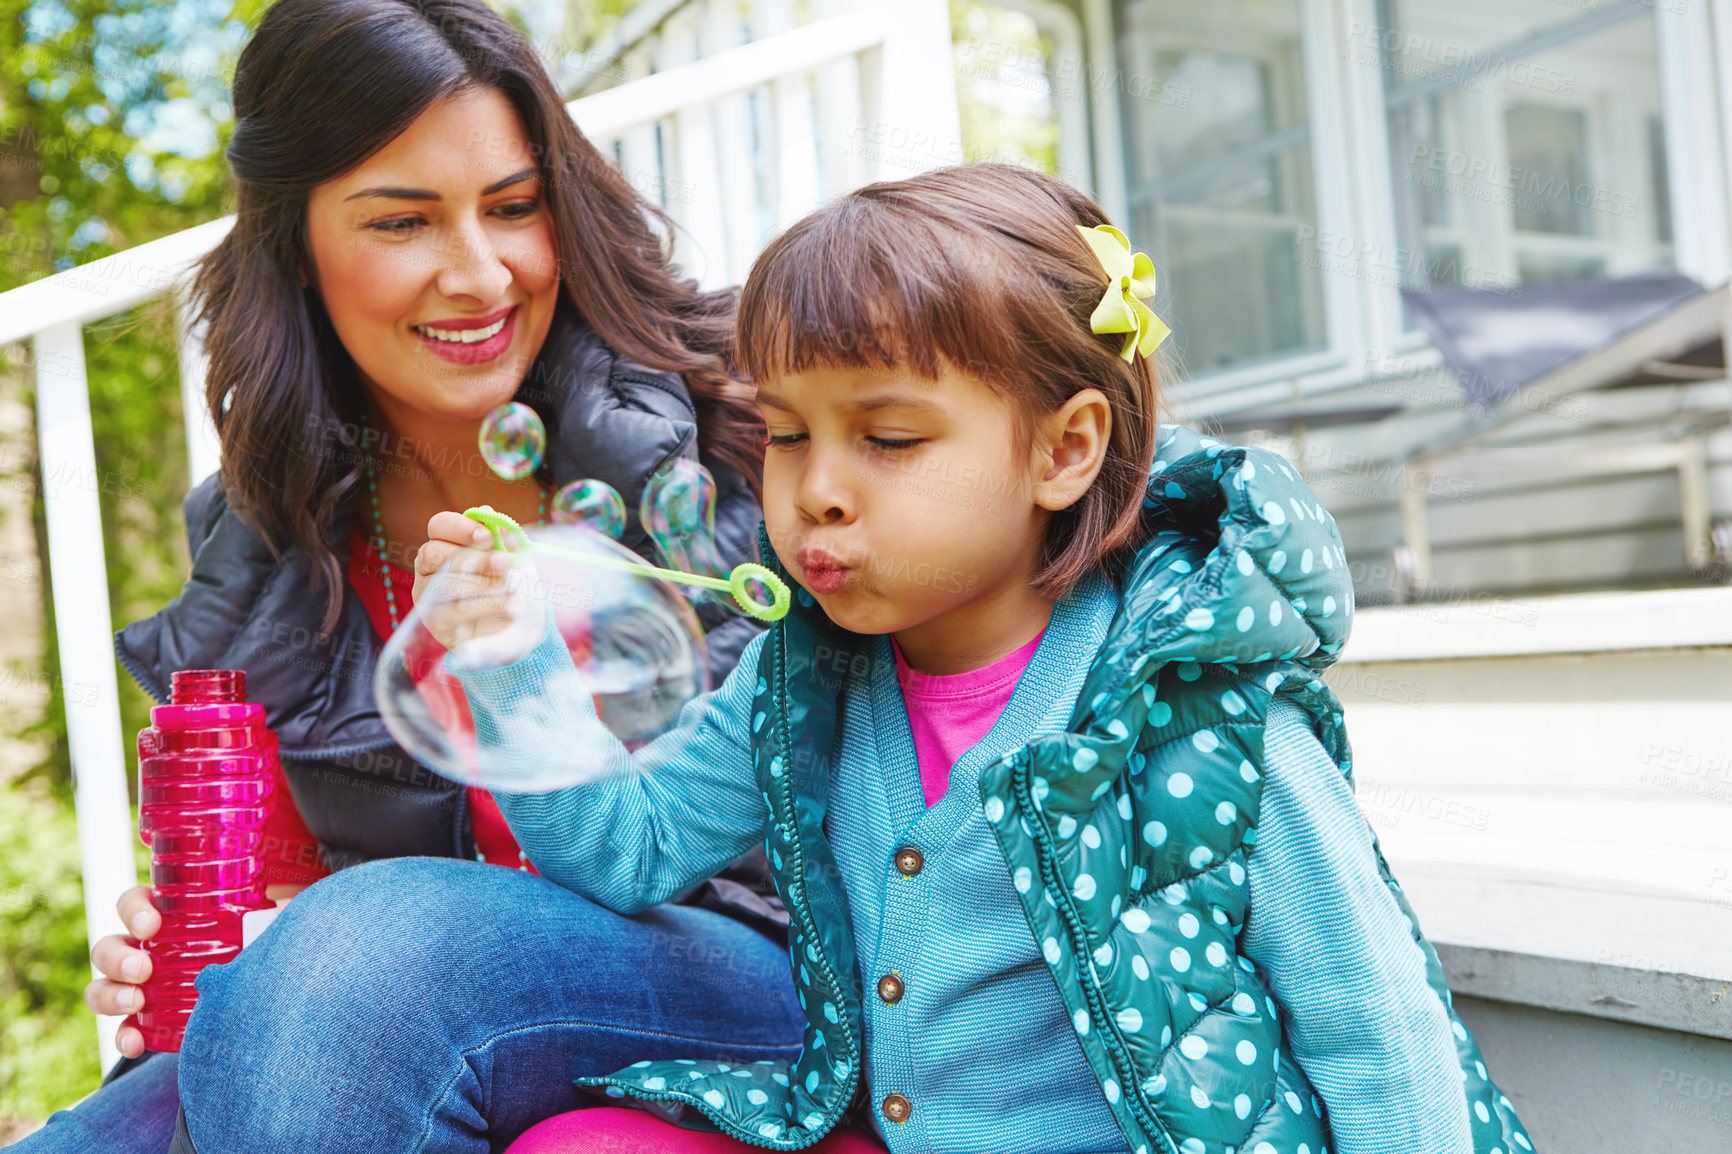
(832, 301)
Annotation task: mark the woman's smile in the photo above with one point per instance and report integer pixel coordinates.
(470, 341)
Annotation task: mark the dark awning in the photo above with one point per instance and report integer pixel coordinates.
(1496, 342)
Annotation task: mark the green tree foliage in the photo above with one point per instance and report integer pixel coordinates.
(111, 121)
(112, 118)
(1004, 86)
(47, 1038)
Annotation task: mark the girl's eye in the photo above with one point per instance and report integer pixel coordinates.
(784, 438)
(518, 209)
(892, 444)
(402, 226)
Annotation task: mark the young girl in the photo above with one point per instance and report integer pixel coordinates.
(1041, 757)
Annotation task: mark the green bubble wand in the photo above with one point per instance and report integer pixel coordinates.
(735, 583)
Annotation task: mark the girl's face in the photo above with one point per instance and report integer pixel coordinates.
(435, 260)
(895, 500)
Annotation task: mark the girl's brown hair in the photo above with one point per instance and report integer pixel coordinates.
(978, 267)
(321, 86)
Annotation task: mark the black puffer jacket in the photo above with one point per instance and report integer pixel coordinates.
(361, 795)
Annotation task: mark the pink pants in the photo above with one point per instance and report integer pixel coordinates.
(622, 1130)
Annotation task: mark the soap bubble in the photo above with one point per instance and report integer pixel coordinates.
(513, 440)
(636, 651)
(593, 504)
(678, 511)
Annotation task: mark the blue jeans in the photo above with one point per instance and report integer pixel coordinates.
(431, 1004)
(134, 1114)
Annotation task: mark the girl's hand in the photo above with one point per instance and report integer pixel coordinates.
(481, 604)
(125, 967)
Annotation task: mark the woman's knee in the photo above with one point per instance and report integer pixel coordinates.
(396, 931)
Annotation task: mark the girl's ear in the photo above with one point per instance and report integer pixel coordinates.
(1070, 446)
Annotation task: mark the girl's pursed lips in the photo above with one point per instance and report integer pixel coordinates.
(812, 557)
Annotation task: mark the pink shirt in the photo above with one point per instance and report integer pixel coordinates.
(949, 714)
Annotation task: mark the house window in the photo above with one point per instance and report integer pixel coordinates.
(1219, 174)
(1526, 140)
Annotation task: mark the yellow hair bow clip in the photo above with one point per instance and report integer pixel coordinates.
(1129, 275)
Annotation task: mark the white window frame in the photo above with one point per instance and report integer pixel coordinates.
(1692, 94)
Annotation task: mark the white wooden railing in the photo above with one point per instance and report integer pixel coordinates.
(737, 131)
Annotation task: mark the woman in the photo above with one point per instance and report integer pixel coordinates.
(422, 235)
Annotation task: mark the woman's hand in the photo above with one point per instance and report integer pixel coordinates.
(125, 967)
(481, 604)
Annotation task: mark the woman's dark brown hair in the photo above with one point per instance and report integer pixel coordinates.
(324, 84)
(978, 267)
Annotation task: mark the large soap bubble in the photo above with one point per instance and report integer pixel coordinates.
(636, 648)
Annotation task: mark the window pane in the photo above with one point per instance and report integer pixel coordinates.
(1196, 148)
(1548, 156)
(1662, 180)
(1525, 138)
(1443, 264)
(1219, 165)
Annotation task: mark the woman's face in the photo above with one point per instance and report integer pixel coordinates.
(435, 260)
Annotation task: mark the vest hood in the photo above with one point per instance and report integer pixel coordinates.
(1240, 564)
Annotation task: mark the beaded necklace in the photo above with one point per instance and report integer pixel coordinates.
(378, 541)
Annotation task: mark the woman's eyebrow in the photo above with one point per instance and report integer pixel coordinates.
(423, 194)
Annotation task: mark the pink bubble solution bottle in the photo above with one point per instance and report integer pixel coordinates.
(206, 785)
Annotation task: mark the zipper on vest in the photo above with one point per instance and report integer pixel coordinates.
(799, 910)
(802, 908)
(339, 751)
(138, 675)
(1130, 1089)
